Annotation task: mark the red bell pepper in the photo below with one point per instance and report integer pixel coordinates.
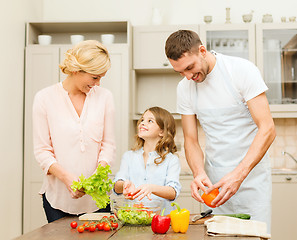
(160, 223)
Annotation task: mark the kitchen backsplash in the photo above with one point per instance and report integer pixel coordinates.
(286, 140)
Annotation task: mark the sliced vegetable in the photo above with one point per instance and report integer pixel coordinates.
(135, 215)
(97, 185)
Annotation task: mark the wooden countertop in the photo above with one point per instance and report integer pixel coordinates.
(61, 230)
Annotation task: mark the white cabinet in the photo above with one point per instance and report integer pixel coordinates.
(284, 211)
(277, 60)
(154, 80)
(149, 45)
(42, 70)
(185, 199)
(118, 82)
(230, 39)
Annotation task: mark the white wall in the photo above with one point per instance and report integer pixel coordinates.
(13, 15)
(174, 11)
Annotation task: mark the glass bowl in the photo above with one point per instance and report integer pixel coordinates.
(134, 212)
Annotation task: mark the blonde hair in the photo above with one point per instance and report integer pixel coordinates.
(166, 144)
(88, 56)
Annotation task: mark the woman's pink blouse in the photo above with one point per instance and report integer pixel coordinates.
(76, 142)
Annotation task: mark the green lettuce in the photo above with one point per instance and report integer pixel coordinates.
(97, 186)
(135, 215)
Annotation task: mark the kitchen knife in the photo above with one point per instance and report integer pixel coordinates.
(202, 215)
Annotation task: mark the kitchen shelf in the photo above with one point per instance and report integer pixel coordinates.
(154, 87)
(61, 31)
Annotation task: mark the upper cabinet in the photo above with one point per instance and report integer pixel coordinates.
(154, 81)
(230, 39)
(271, 46)
(61, 31)
(277, 61)
(149, 45)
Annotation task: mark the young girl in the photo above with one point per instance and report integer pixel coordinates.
(151, 169)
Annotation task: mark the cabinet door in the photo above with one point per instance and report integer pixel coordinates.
(41, 71)
(284, 211)
(230, 39)
(149, 45)
(277, 61)
(117, 81)
(185, 198)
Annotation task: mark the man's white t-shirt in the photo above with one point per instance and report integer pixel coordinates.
(213, 92)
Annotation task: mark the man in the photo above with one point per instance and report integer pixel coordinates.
(227, 95)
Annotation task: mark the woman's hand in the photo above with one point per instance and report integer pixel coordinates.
(68, 180)
(128, 189)
(144, 190)
(103, 163)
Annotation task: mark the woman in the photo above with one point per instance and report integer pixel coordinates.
(73, 130)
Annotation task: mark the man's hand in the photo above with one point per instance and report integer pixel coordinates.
(228, 185)
(201, 181)
(128, 189)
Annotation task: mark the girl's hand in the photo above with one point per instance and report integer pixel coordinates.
(143, 190)
(128, 189)
(68, 180)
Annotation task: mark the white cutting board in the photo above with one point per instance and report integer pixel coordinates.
(93, 216)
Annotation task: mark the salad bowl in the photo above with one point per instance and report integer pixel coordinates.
(133, 212)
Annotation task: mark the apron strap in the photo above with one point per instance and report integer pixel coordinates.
(226, 76)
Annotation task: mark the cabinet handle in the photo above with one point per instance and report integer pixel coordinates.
(165, 64)
(288, 178)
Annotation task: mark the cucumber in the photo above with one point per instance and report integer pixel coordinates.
(238, 215)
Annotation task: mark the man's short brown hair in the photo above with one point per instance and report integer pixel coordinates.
(180, 42)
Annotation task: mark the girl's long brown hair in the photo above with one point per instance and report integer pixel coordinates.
(166, 144)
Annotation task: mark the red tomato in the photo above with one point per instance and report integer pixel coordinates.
(80, 229)
(111, 217)
(92, 228)
(208, 198)
(106, 227)
(100, 226)
(114, 225)
(87, 227)
(73, 224)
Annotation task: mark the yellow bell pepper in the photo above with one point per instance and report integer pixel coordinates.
(180, 219)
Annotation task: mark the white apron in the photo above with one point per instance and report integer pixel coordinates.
(229, 133)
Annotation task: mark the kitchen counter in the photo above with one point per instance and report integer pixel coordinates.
(60, 229)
